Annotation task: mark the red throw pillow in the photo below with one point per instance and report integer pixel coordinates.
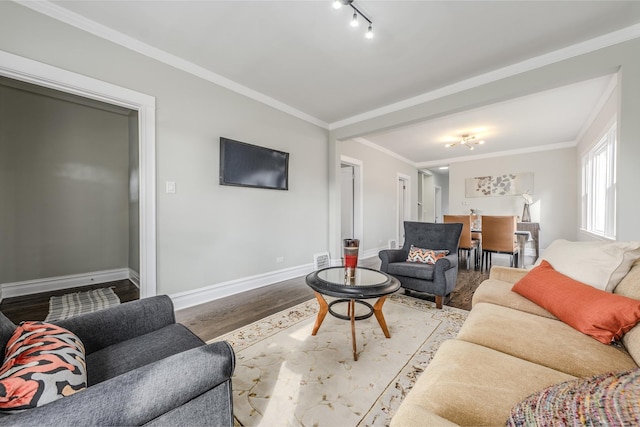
(602, 315)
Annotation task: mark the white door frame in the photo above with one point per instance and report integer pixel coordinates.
(407, 204)
(38, 73)
(437, 203)
(358, 218)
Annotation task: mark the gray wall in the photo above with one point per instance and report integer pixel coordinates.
(554, 194)
(380, 189)
(65, 166)
(206, 233)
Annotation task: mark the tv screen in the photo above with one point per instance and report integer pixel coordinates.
(247, 165)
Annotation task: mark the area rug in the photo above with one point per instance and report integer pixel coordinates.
(69, 305)
(285, 376)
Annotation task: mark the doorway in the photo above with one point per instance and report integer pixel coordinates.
(351, 198)
(29, 71)
(437, 203)
(404, 209)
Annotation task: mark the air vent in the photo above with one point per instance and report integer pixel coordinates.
(393, 244)
(321, 261)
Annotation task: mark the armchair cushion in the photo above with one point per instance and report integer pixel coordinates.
(43, 363)
(411, 269)
(127, 355)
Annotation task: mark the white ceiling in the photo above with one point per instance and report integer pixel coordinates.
(304, 58)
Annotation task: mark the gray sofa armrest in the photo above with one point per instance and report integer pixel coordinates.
(141, 395)
(103, 328)
(388, 256)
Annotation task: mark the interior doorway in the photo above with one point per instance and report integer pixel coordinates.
(437, 203)
(26, 70)
(351, 199)
(404, 209)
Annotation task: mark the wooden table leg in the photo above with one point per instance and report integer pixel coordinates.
(377, 310)
(324, 309)
(352, 314)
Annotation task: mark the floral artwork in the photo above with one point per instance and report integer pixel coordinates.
(510, 184)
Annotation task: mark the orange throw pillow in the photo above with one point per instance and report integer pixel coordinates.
(602, 315)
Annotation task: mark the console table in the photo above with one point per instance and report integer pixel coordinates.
(534, 229)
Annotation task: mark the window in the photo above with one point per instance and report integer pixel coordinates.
(599, 187)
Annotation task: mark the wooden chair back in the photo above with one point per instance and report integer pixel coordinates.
(465, 236)
(498, 233)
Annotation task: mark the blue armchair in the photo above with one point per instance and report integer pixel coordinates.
(438, 279)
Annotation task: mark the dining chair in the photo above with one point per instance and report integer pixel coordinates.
(498, 236)
(467, 244)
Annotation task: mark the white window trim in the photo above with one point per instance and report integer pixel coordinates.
(608, 142)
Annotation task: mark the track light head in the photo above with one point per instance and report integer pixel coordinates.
(369, 34)
(354, 21)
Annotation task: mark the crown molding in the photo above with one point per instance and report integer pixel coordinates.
(64, 15)
(71, 18)
(568, 52)
(536, 149)
(613, 83)
(386, 151)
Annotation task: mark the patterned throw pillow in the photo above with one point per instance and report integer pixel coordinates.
(426, 256)
(43, 362)
(608, 399)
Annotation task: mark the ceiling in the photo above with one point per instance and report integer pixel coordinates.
(304, 58)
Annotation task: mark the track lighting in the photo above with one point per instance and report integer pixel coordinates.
(337, 4)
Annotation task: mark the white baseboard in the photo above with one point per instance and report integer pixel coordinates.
(134, 277)
(27, 287)
(220, 290)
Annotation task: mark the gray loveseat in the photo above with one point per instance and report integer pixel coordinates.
(143, 368)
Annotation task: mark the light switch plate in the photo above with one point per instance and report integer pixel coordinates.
(171, 187)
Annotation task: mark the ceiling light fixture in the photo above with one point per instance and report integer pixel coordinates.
(337, 4)
(467, 140)
(354, 20)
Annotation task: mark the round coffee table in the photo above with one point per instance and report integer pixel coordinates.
(366, 284)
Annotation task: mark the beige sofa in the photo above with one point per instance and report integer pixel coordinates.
(507, 349)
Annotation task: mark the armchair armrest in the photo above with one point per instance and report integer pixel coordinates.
(103, 328)
(138, 396)
(507, 274)
(391, 255)
(445, 263)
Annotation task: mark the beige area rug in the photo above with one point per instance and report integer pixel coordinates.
(285, 376)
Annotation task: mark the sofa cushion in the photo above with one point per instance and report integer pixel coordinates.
(557, 345)
(425, 256)
(610, 399)
(604, 316)
(43, 363)
(131, 354)
(469, 384)
(630, 287)
(411, 269)
(500, 293)
(599, 264)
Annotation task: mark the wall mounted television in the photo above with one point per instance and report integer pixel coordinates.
(248, 165)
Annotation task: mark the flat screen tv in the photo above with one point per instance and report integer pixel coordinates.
(248, 165)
